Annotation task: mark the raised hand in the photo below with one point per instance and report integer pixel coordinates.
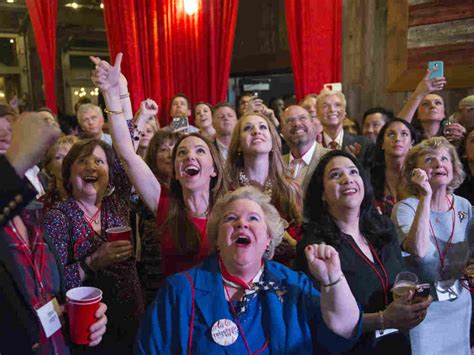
(354, 149)
(32, 135)
(106, 76)
(323, 263)
(148, 108)
(420, 179)
(427, 85)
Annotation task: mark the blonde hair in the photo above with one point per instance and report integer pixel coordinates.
(425, 147)
(51, 152)
(275, 224)
(328, 93)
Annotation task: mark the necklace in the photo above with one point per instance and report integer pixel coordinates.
(244, 181)
(95, 218)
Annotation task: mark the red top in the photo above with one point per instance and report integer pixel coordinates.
(172, 261)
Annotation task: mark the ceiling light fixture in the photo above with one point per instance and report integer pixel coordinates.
(190, 6)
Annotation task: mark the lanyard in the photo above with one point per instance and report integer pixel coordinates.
(240, 327)
(82, 237)
(442, 255)
(237, 282)
(383, 280)
(30, 256)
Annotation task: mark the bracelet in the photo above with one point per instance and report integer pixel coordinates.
(110, 112)
(333, 283)
(86, 268)
(124, 96)
(382, 327)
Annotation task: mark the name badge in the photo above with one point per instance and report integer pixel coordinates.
(446, 291)
(378, 332)
(48, 315)
(224, 332)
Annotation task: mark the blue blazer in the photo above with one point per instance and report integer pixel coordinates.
(293, 325)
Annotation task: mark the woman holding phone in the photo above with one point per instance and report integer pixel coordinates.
(339, 210)
(432, 227)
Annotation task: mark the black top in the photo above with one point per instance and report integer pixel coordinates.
(362, 279)
(364, 282)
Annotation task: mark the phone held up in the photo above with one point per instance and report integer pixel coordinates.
(436, 69)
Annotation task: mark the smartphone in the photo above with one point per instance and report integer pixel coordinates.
(438, 69)
(422, 292)
(333, 86)
(179, 124)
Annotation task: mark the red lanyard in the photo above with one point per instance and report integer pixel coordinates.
(383, 280)
(239, 282)
(30, 257)
(442, 255)
(82, 237)
(234, 313)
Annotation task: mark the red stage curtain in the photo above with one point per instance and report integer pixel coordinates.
(314, 35)
(43, 18)
(167, 51)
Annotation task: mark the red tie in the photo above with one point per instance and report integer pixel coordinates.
(333, 145)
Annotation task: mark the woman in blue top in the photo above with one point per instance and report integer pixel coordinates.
(432, 228)
(238, 301)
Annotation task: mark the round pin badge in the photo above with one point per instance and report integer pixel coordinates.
(224, 332)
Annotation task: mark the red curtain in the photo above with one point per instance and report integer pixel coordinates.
(314, 35)
(167, 51)
(43, 18)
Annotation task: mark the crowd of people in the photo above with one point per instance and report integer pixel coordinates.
(262, 229)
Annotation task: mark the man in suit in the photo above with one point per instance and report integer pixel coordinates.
(331, 110)
(300, 130)
(30, 274)
(224, 120)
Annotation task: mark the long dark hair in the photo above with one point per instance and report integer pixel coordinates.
(320, 226)
(377, 170)
(182, 229)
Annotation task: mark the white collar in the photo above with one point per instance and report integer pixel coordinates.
(306, 156)
(338, 138)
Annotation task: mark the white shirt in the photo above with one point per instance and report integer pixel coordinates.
(32, 176)
(107, 138)
(338, 139)
(223, 149)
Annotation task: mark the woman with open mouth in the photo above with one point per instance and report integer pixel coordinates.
(255, 159)
(196, 179)
(432, 226)
(239, 302)
(98, 193)
(339, 210)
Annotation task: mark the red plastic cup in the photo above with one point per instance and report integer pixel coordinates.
(118, 233)
(82, 304)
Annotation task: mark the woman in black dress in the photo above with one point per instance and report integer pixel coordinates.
(339, 210)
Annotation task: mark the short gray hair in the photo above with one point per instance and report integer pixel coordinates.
(86, 108)
(428, 146)
(275, 224)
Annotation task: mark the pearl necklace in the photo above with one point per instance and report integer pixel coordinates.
(244, 181)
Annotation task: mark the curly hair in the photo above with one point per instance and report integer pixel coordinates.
(275, 224)
(321, 225)
(428, 146)
(286, 195)
(183, 231)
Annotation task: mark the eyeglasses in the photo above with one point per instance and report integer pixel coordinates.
(301, 118)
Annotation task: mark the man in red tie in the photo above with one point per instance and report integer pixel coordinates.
(331, 110)
(299, 130)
